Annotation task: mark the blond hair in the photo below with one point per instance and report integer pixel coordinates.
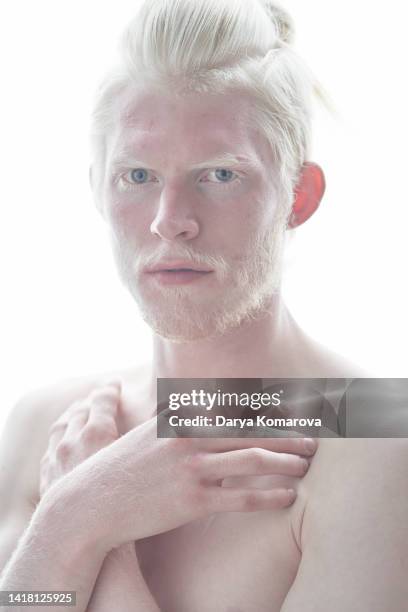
(217, 46)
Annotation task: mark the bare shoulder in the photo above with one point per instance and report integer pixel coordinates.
(29, 421)
(346, 474)
(352, 528)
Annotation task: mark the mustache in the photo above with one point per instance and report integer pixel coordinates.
(184, 253)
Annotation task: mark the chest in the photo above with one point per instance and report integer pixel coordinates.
(230, 562)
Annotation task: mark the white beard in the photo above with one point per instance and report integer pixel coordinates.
(242, 291)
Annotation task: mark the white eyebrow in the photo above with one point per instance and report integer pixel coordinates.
(224, 160)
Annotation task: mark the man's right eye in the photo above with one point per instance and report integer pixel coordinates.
(138, 175)
(134, 178)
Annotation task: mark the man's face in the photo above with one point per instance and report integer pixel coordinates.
(221, 217)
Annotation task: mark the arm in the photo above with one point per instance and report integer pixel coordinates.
(121, 582)
(42, 547)
(89, 426)
(52, 549)
(125, 483)
(354, 537)
(55, 552)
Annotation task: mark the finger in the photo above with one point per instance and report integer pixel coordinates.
(106, 398)
(58, 427)
(57, 432)
(76, 423)
(229, 499)
(297, 445)
(103, 414)
(254, 461)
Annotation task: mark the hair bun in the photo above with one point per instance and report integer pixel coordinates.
(282, 20)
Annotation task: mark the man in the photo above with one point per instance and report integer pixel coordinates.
(198, 202)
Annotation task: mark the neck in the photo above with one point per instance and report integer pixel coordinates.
(267, 347)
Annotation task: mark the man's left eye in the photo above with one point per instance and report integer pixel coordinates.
(223, 175)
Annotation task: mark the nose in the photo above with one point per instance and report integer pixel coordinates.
(175, 216)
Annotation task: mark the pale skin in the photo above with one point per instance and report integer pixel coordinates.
(93, 424)
(162, 499)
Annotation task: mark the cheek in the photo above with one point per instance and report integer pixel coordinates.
(253, 216)
(125, 217)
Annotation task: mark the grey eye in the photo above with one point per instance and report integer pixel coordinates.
(138, 174)
(222, 174)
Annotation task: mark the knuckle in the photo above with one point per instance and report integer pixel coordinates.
(287, 460)
(90, 434)
(193, 465)
(293, 444)
(259, 458)
(63, 450)
(78, 414)
(102, 428)
(104, 421)
(113, 428)
(298, 446)
(108, 428)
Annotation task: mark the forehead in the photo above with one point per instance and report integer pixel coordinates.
(193, 123)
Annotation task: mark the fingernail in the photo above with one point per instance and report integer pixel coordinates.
(305, 465)
(310, 444)
(291, 495)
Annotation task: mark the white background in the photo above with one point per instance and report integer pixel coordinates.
(65, 313)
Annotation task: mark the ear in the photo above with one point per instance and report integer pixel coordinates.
(308, 194)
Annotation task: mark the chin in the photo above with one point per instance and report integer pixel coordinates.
(183, 321)
(187, 313)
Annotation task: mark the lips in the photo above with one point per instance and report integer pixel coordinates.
(179, 270)
(176, 273)
(177, 267)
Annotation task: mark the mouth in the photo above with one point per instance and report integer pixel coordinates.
(182, 270)
(178, 276)
(179, 270)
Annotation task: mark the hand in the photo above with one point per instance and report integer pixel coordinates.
(83, 429)
(144, 485)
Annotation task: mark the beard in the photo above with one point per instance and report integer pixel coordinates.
(238, 292)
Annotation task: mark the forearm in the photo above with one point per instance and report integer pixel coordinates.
(54, 553)
(121, 585)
